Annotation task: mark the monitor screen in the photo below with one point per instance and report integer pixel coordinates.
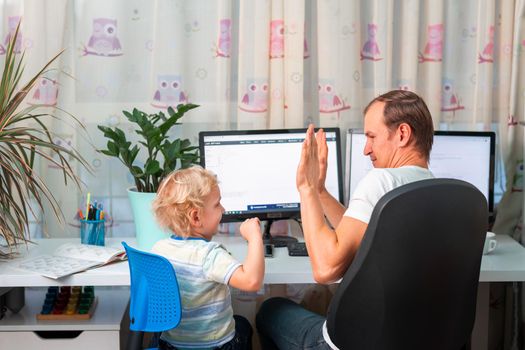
(256, 170)
(464, 155)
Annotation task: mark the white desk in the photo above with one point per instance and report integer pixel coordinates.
(505, 264)
(280, 269)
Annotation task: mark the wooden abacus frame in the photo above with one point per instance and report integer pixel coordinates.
(58, 317)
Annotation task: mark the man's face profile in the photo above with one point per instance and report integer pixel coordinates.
(380, 142)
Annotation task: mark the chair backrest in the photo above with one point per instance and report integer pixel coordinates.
(155, 304)
(413, 282)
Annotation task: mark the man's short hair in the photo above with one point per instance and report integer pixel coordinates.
(407, 107)
(179, 193)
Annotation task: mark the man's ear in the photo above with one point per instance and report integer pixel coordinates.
(404, 134)
(194, 216)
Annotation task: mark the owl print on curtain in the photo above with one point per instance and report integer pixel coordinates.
(45, 92)
(255, 97)
(65, 141)
(169, 92)
(277, 38)
(404, 84)
(12, 23)
(329, 100)
(450, 101)
(103, 40)
(434, 47)
(224, 42)
(370, 50)
(486, 56)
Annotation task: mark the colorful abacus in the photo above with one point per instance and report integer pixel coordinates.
(68, 303)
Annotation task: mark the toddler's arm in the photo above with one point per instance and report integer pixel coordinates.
(249, 276)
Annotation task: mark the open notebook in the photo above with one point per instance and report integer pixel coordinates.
(70, 258)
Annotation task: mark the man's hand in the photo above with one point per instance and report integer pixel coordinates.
(322, 152)
(308, 170)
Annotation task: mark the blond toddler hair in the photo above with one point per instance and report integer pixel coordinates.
(179, 193)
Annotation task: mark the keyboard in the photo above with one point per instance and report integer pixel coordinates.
(297, 249)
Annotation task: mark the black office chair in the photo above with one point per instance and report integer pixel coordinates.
(413, 283)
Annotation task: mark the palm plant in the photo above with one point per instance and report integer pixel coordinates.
(25, 138)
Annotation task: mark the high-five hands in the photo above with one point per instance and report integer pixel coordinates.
(311, 172)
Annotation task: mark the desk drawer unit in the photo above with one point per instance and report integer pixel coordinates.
(104, 330)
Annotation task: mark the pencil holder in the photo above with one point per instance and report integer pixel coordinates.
(92, 232)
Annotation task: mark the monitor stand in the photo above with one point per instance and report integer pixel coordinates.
(277, 241)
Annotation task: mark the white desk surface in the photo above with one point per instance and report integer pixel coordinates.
(506, 263)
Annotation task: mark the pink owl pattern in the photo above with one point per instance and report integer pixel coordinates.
(370, 50)
(487, 55)
(66, 142)
(511, 120)
(329, 100)
(45, 92)
(277, 38)
(450, 101)
(434, 46)
(103, 40)
(224, 42)
(306, 52)
(403, 84)
(255, 98)
(12, 23)
(169, 92)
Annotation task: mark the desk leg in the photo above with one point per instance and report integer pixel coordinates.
(480, 334)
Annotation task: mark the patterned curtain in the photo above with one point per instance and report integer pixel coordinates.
(269, 64)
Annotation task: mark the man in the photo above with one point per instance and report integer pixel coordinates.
(399, 134)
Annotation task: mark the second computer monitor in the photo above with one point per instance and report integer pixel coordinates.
(464, 155)
(256, 170)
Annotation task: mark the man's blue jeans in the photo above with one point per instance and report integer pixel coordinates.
(284, 324)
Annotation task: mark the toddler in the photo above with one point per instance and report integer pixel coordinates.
(188, 203)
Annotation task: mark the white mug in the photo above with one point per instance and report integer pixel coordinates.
(490, 243)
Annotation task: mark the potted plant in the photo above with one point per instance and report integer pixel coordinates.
(163, 155)
(25, 139)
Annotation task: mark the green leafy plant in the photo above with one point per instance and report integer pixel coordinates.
(153, 128)
(24, 139)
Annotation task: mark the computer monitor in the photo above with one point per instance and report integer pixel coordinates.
(256, 170)
(464, 155)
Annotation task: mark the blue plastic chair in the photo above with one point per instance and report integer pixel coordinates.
(155, 304)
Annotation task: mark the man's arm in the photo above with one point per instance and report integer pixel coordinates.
(333, 210)
(331, 252)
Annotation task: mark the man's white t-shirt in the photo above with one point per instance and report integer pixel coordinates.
(376, 183)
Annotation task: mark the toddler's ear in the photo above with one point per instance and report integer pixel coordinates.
(194, 217)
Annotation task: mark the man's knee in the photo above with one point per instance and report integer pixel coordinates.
(275, 302)
(270, 308)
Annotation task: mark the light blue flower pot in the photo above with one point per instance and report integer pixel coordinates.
(147, 230)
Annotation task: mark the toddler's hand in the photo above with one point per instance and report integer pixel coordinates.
(251, 229)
